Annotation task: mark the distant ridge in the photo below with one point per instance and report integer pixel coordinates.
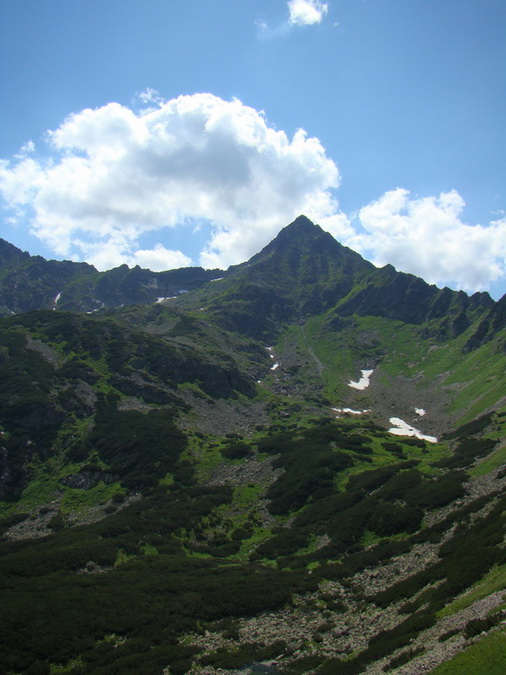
(303, 271)
(28, 283)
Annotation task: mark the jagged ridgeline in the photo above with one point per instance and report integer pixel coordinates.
(296, 465)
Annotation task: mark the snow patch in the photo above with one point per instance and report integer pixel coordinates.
(276, 365)
(218, 279)
(349, 411)
(364, 381)
(420, 412)
(401, 428)
(172, 297)
(55, 301)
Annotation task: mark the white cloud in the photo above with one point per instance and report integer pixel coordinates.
(114, 252)
(426, 236)
(160, 258)
(150, 96)
(114, 175)
(25, 150)
(198, 164)
(306, 12)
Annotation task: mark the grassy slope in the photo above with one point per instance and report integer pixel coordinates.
(230, 528)
(494, 581)
(473, 382)
(487, 657)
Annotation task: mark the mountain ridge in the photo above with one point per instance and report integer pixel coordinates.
(127, 286)
(305, 271)
(80, 287)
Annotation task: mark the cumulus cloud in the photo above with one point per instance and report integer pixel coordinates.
(427, 237)
(160, 258)
(218, 177)
(306, 12)
(114, 175)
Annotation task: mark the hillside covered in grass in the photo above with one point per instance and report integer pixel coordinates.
(298, 467)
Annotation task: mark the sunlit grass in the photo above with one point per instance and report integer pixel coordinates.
(495, 460)
(494, 581)
(76, 500)
(486, 657)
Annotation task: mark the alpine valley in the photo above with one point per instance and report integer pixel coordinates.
(293, 466)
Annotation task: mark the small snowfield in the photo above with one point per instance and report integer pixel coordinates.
(364, 381)
(349, 411)
(402, 428)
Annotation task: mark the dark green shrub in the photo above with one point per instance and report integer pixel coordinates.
(236, 451)
(470, 428)
(403, 658)
(467, 452)
(139, 447)
(57, 522)
(437, 492)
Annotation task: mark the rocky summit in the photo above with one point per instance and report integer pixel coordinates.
(296, 465)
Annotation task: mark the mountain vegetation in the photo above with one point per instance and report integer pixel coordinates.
(293, 466)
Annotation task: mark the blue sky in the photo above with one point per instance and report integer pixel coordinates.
(167, 133)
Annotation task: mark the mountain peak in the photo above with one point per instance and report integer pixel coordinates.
(302, 223)
(301, 237)
(302, 242)
(300, 227)
(302, 272)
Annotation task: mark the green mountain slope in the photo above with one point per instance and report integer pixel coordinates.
(207, 484)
